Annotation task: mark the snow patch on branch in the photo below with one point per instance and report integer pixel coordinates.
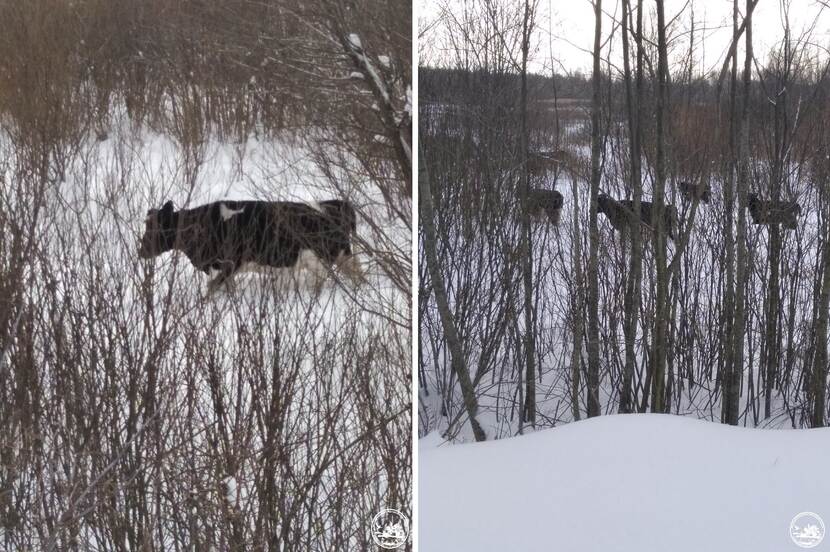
(381, 91)
(368, 68)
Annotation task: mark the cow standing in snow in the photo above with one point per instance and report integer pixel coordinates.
(771, 212)
(230, 236)
(691, 191)
(620, 213)
(545, 205)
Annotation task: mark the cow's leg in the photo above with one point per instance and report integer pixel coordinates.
(318, 272)
(225, 275)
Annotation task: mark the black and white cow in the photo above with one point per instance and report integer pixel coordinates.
(229, 236)
(545, 205)
(620, 213)
(691, 191)
(770, 212)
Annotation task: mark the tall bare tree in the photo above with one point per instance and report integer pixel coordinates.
(593, 230)
(661, 305)
(634, 98)
(529, 410)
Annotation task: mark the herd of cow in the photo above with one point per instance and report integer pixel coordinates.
(227, 237)
(548, 204)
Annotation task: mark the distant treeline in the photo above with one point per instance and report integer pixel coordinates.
(449, 85)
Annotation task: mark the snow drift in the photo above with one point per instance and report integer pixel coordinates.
(639, 483)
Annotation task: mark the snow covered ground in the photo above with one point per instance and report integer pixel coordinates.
(694, 380)
(637, 483)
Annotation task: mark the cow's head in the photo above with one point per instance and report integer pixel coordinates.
(159, 231)
(604, 203)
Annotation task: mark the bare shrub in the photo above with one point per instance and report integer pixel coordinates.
(137, 414)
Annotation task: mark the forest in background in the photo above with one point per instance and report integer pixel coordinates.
(528, 324)
(433, 81)
(136, 414)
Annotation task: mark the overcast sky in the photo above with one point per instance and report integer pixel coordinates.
(567, 27)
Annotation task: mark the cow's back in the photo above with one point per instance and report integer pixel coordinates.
(274, 233)
(256, 231)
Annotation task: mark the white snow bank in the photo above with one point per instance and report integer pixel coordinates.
(640, 483)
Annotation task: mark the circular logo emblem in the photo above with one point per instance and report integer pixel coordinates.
(807, 530)
(390, 528)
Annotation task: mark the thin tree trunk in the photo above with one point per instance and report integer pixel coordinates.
(772, 321)
(577, 302)
(736, 371)
(633, 282)
(771, 328)
(593, 230)
(661, 314)
(727, 415)
(529, 412)
(731, 55)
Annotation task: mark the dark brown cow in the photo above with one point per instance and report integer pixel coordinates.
(227, 236)
(620, 213)
(699, 191)
(545, 203)
(774, 212)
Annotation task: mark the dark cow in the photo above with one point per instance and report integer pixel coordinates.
(545, 203)
(699, 191)
(620, 213)
(229, 236)
(774, 212)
